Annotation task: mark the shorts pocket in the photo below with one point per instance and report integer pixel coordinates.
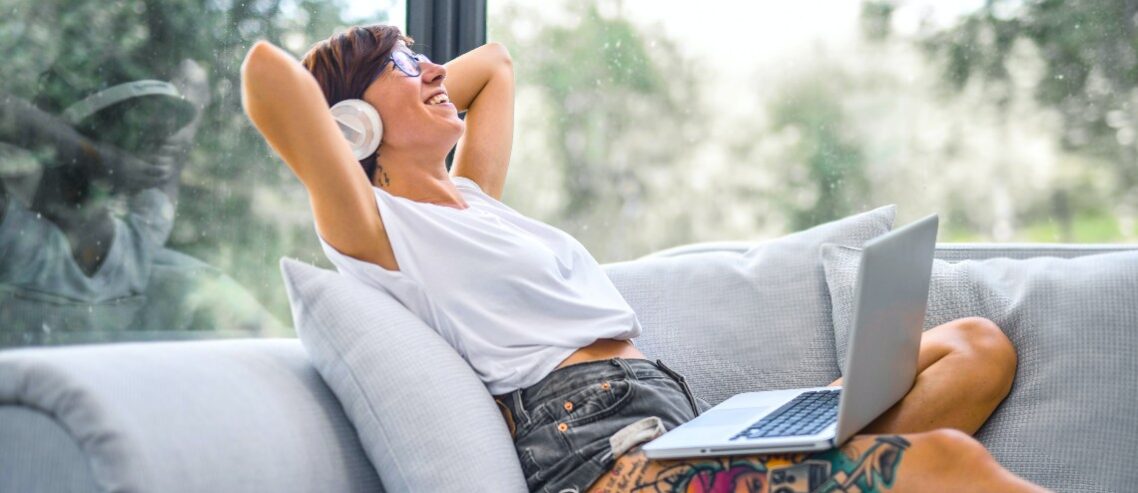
(594, 402)
(539, 451)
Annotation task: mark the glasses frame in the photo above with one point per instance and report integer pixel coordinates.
(406, 61)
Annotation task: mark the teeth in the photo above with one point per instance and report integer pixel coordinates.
(438, 98)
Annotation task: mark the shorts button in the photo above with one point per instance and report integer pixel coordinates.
(568, 406)
(562, 426)
(605, 385)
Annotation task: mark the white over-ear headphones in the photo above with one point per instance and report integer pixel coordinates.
(360, 124)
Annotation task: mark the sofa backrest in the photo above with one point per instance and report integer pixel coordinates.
(951, 252)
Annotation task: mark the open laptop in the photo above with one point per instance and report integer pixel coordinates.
(890, 298)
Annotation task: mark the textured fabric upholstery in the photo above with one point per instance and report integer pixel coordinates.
(425, 419)
(234, 415)
(952, 252)
(37, 454)
(955, 252)
(254, 415)
(1070, 421)
(738, 322)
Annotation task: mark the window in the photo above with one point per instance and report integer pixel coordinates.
(641, 124)
(175, 231)
(644, 124)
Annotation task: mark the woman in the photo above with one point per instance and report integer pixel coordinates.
(533, 312)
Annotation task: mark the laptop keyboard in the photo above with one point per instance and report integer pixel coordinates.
(807, 414)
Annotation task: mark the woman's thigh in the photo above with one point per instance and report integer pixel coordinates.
(923, 462)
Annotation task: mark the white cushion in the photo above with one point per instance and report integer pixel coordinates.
(1070, 421)
(423, 416)
(739, 322)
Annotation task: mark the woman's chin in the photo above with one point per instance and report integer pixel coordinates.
(458, 127)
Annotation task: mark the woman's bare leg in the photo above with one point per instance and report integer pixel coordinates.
(942, 460)
(965, 369)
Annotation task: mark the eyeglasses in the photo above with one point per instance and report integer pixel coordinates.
(406, 61)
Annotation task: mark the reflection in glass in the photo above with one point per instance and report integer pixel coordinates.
(72, 267)
(157, 216)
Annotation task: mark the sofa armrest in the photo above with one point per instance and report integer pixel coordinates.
(228, 415)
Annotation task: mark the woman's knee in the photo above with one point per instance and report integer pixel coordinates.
(958, 450)
(990, 350)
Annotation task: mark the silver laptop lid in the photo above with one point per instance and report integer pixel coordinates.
(889, 311)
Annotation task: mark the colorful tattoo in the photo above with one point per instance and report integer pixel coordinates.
(845, 470)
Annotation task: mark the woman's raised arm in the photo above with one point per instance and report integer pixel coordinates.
(481, 82)
(286, 105)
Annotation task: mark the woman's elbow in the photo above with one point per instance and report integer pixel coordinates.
(257, 63)
(501, 53)
(267, 74)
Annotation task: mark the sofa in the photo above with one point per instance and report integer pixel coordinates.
(256, 414)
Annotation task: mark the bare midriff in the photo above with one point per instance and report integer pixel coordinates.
(603, 349)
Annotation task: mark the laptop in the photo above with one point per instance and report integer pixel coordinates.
(889, 311)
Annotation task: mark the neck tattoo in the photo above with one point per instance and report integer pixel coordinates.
(383, 180)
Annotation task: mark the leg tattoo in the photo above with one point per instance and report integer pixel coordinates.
(844, 470)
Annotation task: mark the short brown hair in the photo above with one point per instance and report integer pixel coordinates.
(345, 64)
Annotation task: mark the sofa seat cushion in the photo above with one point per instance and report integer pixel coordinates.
(740, 322)
(1070, 421)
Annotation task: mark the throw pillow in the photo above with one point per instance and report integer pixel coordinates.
(425, 419)
(1069, 421)
(738, 322)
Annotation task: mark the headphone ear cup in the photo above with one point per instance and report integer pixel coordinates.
(360, 124)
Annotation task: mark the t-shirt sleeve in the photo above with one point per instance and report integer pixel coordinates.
(366, 272)
(25, 241)
(464, 181)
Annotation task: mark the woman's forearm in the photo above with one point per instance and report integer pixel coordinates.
(468, 74)
(484, 87)
(286, 105)
(271, 77)
(28, 127)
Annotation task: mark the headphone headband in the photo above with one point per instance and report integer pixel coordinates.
(116, 94)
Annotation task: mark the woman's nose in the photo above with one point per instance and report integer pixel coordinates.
(432, 72)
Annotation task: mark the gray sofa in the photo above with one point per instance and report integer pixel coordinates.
(254, 415)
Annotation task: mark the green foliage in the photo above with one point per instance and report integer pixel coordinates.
(619, 95)
(58, 51)
(1089, 50)
(810, 107)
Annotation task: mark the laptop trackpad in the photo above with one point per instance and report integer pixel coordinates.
(725, 417)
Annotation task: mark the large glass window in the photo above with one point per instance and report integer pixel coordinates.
(644, 124)
(137, 202)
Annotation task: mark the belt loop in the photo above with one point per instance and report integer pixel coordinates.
(683, 385)
(519, 408)
(628, 371)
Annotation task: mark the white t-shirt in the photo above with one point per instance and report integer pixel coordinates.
(36, 256)
(514, 296)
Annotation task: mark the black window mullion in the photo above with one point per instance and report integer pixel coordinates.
(445, 29)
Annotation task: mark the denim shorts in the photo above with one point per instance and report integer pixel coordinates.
(570, 427)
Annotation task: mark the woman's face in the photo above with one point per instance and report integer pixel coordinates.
(408, 121)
